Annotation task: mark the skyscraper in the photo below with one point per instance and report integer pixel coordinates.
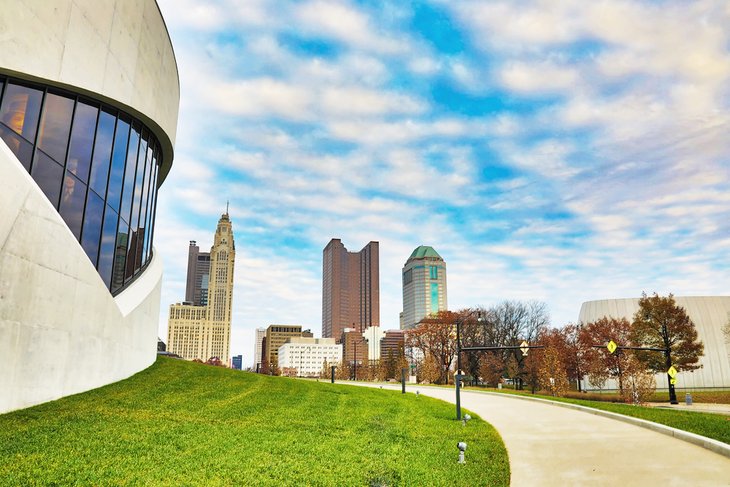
(258, 346)
(204, 332)
(196, 289)
(350, 288)
(424, 286)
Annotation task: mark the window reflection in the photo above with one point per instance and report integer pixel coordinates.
(129, 173)
(48, 174)
(120, 255)
(102, 153)
(82, 141)
(20, 108)
(92, 226)
(106, 251)
(73, 195)
(119, 155)
(91, 162)
(55, 126)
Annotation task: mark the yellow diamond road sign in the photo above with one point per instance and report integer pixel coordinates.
(611, 346)
(672, 372)
(523, 347)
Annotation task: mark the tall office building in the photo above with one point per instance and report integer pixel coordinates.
(276, 336)
(258, 346)
(196, 288)
(350, 288)
(89, 96)
(424, 286)
(204, 332)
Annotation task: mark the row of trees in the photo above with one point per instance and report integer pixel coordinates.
(570, 352)
(388, 367)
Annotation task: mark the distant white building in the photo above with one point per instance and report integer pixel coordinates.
(307, 355)
(373, 335)
(709, 314)
(258, 347)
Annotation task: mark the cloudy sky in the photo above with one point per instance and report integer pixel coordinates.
(557, 151)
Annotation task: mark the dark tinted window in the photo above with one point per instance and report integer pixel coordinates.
(129, 173)
(22, 148)
(106, 252)
(55, 126)
(120, 255)
(82, 141)
(20, 109)
(48, 174)
(102, 153)
(73, 196)
(91, 162)
(92, 226)
(119, 155)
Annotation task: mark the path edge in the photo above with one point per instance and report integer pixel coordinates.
(699, 440)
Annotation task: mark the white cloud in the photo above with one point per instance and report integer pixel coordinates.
(343, 22)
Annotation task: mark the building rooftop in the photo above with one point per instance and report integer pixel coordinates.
(424, 251)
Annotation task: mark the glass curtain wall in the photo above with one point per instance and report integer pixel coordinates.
(97, 165)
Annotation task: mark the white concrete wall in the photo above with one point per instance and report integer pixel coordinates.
(709, 314)
(61, 331)
(117, 51)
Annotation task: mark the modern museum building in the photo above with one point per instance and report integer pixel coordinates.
(89, 96)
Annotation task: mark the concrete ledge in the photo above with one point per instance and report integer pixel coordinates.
(699, 440)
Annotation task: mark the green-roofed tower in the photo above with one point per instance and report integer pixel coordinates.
(424, 286)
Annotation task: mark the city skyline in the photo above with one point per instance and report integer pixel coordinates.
(562, 153)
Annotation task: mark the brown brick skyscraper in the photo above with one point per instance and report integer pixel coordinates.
(350, 288)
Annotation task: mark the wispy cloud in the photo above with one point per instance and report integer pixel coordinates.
(560, 151)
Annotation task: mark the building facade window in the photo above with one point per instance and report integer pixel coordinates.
(97, 165)
(434, 272)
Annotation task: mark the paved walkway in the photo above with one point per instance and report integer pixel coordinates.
(698, 407)
(553, 446)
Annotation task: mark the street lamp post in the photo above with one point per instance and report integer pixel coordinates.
(668, 363)
(457, 378)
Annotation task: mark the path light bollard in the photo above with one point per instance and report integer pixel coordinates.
(462, 448)
(417, 393)
(466, 419)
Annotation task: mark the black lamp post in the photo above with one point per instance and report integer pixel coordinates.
(668, 364)
(457, 377)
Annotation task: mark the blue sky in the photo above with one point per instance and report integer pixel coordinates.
(557, 151)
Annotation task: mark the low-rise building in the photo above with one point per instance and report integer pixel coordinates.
(306, 356)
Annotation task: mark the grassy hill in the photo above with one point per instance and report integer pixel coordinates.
(180, 423)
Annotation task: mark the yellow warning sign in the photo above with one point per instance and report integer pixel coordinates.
(672, 381)
(523, 348)
(672, 372)
(611, 346)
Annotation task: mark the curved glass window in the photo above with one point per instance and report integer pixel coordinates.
(96, 164)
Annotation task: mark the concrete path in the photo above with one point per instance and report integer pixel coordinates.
(553, 446)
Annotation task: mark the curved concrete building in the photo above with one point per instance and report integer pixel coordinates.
(709, 314)
(89, 96)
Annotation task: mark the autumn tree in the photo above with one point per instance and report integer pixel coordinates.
(514, 322)
(639, 384)
(552, 375)
(660, 323)
(600, 364)
(491, 368)
(434, 337)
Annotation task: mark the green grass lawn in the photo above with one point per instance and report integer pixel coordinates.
(716, 426)
(179, 423)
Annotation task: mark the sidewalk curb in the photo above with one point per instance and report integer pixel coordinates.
(699, 440)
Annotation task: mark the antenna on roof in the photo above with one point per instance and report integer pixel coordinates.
(226, 207)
